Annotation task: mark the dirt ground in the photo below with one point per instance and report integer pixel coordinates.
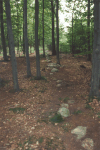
(25, 115)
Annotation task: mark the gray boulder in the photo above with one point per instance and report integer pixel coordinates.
(54, 70)
(64, 112)
(80, 131)
(88, 144)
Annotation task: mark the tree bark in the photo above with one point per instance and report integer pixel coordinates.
(53, 39)
(88, 25)
(23, 33)
(95, 79)
(11, 44)
(26, 39)
(2, 32)
(36, 40)
(57, 28)
(43, 30)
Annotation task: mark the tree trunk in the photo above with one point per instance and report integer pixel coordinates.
(88, 25)
(95, 79)
(72, 36)
(57, 27)
(26, 39)
(23, 33)
(53, 39)
(36, 40)
(43, 30)
(11, 44)
(2, 32)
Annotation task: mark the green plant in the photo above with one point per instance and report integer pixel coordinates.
(77, 112)
(57, 118)
(88, 106)
(60, 98)
(43, 90)
(65, 99)
(98, 114)
(40, 139)
(17, 110)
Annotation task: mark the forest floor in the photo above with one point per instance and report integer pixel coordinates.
(24, 115)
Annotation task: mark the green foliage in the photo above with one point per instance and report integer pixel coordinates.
(40, 139)
(17, 110)
(88, 106)
(57, 118)
(77, 112)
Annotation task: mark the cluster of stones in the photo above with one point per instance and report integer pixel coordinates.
(79, 131)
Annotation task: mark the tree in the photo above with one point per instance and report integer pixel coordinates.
(11, 44)
(2, 32)
(57, 28)
(43, 29)
(95, 79)
(53, 39)
(36, 40)
(26, 39)
(88, 25)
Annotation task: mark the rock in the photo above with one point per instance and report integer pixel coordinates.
(54, 70)
(51, 73)
(88, 144)
(71, 101)
(59, 81)
(49, 61)
(79, 131)
(64, 112)
(52, 65)
(64, 105)
(58, 85)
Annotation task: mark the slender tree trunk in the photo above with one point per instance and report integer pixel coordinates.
(53, 39)
(57, 27)
(26, 39)
(95, 79)
(36, 40)
(23, 33)
(11, 44)
(2, 32)
(43, 30)
(72, 36)
(88, 24)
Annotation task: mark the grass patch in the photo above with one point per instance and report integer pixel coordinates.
(57, 118)
(31, 140)
(98, 114)
(77, 112)
(66, 128)
(88, 106)
(40, 139)
(66, 99)
(41, 78)
(43, 90)
(17, 110)
(60, 98)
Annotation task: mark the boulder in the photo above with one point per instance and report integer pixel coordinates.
(58, 85)
(64, 112)
(80, 131)
(51, 65)
(64, 105)
(59, 81)
(88, 144)
(54, 70)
